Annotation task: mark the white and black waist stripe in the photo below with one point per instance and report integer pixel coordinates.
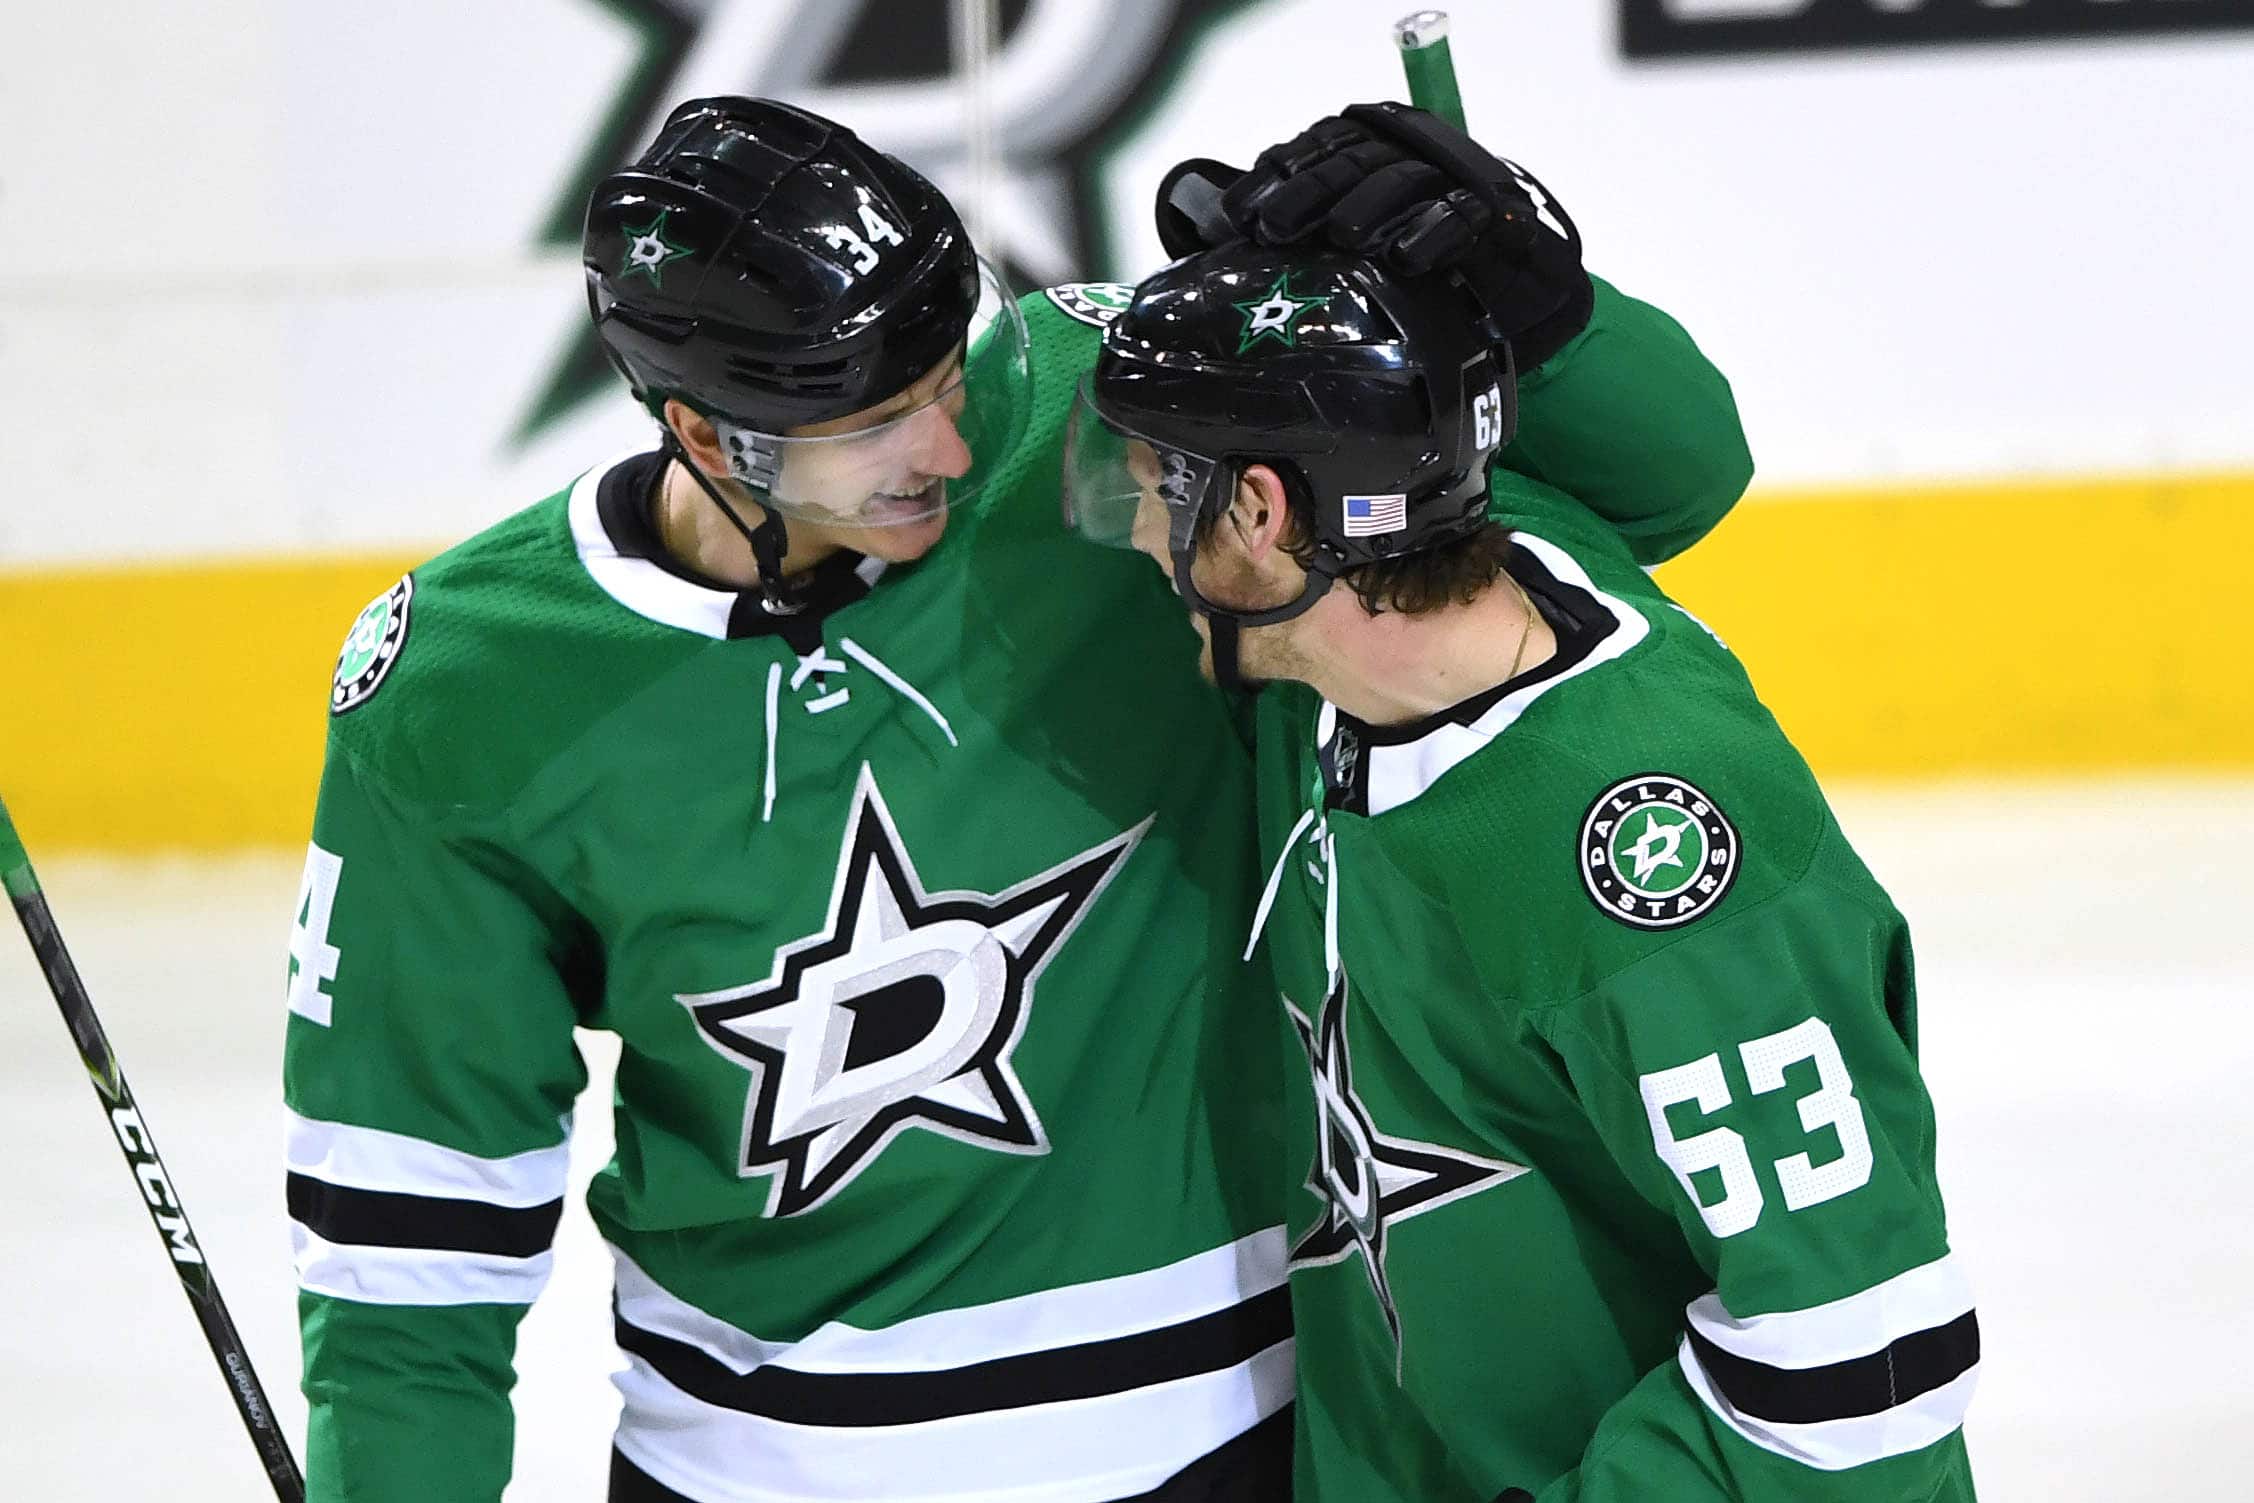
(1879, 1373)
(1210, 1343)
(386, 1218)
(1076, 1394)
(1253, 1468)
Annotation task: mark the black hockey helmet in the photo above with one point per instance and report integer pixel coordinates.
(1379, 399)
(770, 270)
(763, 264)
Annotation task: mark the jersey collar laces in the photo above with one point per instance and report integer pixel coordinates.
(1315, 826)
(819, 661)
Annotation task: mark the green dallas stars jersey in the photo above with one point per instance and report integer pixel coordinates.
(1615, 1180)
(945, 1109)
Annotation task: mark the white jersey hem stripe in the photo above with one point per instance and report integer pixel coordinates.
(1080, 1451)
(367, 1158)
(1076, 1315)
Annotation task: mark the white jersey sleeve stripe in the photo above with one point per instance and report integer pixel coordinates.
(1838, 1444)
(415, 1275)
(367, 1158)
(1856, 1326)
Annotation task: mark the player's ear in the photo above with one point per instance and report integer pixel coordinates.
(1261, 514)
(698, 438)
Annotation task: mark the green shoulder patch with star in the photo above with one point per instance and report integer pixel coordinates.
(1656, 852)
(377, 638)
(1093, 303)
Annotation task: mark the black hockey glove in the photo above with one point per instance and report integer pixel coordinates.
(1411, 192)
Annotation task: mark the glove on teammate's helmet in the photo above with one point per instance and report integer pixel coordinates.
(1378, 398)
(762, 264)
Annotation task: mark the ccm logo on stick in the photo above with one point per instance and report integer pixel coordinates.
(1723, 28)
(155, 1188)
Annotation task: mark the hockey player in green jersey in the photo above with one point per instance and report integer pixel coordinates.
(812, 757)
(1613, 1170)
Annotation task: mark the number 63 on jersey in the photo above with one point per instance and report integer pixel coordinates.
(1803, 1181)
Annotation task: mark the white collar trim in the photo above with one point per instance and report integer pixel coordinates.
(637, 583)
(1400, 773)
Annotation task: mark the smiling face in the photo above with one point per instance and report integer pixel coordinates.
(875, 481)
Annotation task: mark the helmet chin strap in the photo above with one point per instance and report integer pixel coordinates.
(1228, 668)
(1227, 623)
(768, 540)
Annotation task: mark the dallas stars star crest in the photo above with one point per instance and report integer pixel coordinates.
(1275, 316)
(1369, 1181)
(648, 251)
(1659, 845)
(903, 1011)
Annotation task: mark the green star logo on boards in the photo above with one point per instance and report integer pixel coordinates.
(649, 252)
(1656, 852)
(1275, 316)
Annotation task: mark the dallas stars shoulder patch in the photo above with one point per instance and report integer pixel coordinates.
(1656, 853)
(375, 642)
(904, 1010)
(1093, 303)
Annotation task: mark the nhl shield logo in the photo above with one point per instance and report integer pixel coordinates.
(1656, 853)
(373, 645)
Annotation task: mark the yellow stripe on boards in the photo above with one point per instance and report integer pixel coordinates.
(172, 705)
(1996, 629)
(2033, 628)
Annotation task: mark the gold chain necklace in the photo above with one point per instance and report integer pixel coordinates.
(1526, 632)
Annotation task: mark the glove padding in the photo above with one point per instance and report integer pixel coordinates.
(1407, 190)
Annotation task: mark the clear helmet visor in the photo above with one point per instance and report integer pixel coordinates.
(909, 465)
(1115, 480)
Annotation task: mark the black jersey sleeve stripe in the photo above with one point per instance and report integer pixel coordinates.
(1912, 1365)
(1210, 1343)
(378, 1218)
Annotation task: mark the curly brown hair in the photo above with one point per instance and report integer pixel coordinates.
(1414, 584)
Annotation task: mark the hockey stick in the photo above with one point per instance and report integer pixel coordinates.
(148, 1169)
(1423, 40)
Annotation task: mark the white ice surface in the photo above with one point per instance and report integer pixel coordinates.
(2087, 976)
